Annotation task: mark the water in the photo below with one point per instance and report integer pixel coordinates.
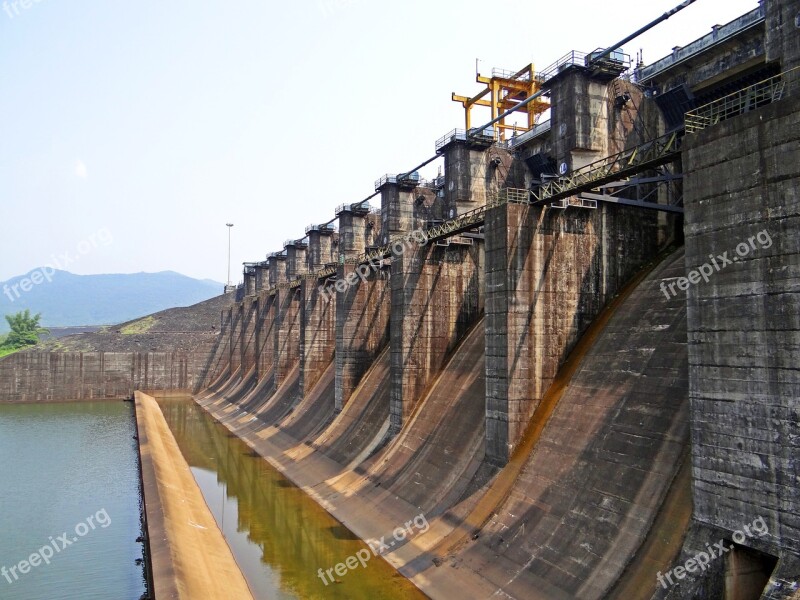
(69, 469)
(279, 536)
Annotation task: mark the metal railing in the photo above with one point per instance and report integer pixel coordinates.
(505, 74)
(612, 168)
(487, 134)
(573, 58)
(296, 283)
(747, 99)
(324, 228)
(379, 183)
(616, 60)
(463, 222)
(356, 207)
(451, 136)
(516, 140)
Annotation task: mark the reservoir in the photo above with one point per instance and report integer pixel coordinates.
(69, 502)
(278, 535)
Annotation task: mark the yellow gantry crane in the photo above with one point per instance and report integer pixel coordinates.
(505, 90)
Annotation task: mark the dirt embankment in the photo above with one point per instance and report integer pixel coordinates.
(176, 329)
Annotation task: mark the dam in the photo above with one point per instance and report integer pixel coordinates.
(573, 353)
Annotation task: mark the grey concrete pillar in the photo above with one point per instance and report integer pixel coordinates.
(318, 318)
(362, 306)
(262, 276)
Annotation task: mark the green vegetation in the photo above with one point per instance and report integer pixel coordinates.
(25, 331)
(3, 350)
(140, 326)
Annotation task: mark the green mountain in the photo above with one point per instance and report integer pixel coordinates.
(65, 299)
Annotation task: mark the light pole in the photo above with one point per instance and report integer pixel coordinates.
(230, 226)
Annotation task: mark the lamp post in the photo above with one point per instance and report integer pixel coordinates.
(230, 226)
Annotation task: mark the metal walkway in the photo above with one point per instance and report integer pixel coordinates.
(619, 168)
(613, 168)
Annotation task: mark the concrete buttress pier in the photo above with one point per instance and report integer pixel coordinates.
(265, 321)
(362, 307)
(318, 319)
(436, 295)
(236, 318)
(549, 272)
(250, 323)
(287, 318)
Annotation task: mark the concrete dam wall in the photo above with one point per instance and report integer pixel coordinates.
(542, 350)
(552, 381)
(65, 376)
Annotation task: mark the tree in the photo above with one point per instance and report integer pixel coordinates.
(25, 330)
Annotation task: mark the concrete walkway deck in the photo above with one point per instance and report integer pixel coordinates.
(190, 557)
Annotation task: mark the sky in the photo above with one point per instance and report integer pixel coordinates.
(132, 132)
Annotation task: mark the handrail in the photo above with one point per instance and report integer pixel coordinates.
(612, 168)
(573, 58)
(749, 98)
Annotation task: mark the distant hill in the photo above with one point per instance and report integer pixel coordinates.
(72, 300)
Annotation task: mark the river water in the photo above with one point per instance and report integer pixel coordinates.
(279, 536)
(69, 502)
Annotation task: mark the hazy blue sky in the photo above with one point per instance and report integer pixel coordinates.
(152, 124)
